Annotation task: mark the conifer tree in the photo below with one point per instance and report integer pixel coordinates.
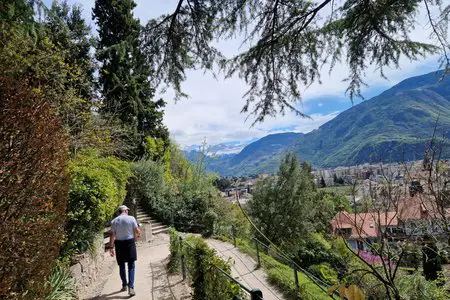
(68, 30)
(124, 74)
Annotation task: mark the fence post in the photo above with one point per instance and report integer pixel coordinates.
(233, 231)
(297, 286)
(183, 260)
(198, 279)
(256, 294)
(257, 254)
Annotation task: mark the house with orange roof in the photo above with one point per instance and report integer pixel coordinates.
(413, 217)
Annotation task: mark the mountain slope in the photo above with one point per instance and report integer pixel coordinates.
(393, 126)
(267, 146)
(258, 157)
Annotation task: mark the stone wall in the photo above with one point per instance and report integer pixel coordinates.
(89, 271)
(93, 268)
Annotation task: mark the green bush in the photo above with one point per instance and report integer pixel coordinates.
(229, 214)
(175, 250)
(210, 218)
(325, 272)
(416, 287)
(207, 281)
(282, 276)
(314, 249)
(190, 204)
(412, 257)
(147, 186)
(98, 187)
(175, 192)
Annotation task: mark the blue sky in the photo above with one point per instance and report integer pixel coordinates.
(212, 111)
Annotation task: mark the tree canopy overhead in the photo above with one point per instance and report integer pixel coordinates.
(286, 43)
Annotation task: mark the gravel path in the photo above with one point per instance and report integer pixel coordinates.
(151, 280)
(154, 283)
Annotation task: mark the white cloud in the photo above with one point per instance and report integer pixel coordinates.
(212, 110)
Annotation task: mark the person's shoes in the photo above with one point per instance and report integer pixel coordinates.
(131, 292)
(124, 288)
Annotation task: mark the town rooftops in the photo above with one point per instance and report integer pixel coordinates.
(362, 225)
(367, 225)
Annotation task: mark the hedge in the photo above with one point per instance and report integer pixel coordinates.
(207, 281)
(98, 187)
(33, 189)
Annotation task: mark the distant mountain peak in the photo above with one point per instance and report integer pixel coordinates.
(393, 126)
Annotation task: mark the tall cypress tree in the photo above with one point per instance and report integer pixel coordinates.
(124, 73)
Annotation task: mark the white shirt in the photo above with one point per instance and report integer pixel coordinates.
(123, 226)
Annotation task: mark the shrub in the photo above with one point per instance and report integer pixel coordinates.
(97, 188)
(147, 185)
(314, 249)
(282, 275)
(207, 281)
(209, 219)
(229, 214)
(175, 250)
(416, 287)
(33, 190)
(325, 272)
(176, 192)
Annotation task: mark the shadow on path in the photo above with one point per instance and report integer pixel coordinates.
(111, 296)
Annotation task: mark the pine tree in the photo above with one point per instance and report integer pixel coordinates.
(124, 73)
(68, 30)
(288, 43)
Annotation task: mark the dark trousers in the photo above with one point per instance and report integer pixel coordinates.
(123, 275)
(126, 253)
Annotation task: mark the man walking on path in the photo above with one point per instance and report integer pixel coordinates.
(124, 232)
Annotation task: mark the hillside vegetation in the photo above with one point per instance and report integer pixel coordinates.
(393, 126)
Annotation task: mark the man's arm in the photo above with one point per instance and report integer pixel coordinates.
(112, 238)
(137, 231)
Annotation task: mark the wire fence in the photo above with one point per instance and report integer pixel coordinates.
(186, 269)
(260, 250)
(281, 262)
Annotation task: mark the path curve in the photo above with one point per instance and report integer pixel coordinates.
(154, 283)
(243, 268)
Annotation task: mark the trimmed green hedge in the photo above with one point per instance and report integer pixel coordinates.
(207, 281)
(98, 187)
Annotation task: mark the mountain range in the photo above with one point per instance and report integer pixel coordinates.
(393, 126)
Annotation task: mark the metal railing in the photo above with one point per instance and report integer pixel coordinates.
(282, 258)
(254, 293)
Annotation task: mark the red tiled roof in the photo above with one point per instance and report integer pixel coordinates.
(363, 225)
